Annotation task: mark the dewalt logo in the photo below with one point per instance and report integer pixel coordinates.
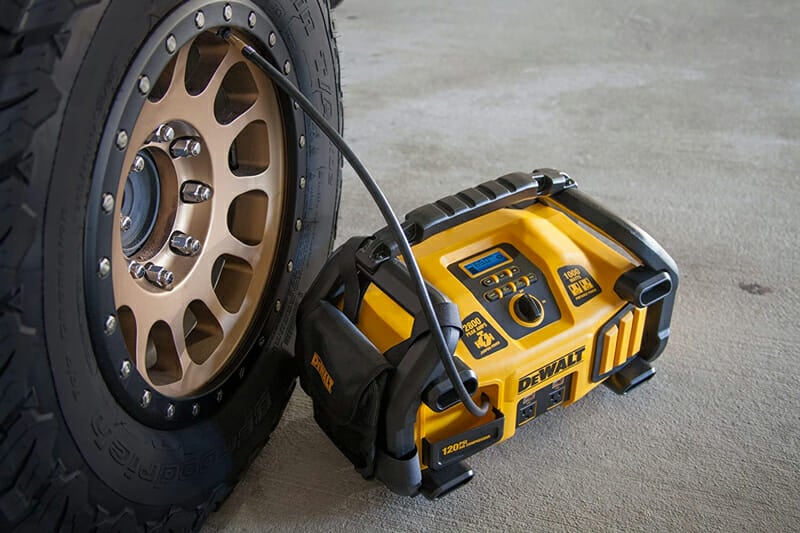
(319, 366)
(553, 369)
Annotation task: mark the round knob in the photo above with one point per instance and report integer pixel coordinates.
(527, 309)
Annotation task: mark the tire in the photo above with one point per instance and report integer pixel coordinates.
(81, 448)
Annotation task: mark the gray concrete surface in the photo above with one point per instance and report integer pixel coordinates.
(683, 116)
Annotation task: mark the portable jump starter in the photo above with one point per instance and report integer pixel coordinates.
(541, 293)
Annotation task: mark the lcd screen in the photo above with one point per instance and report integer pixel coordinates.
(485, 263)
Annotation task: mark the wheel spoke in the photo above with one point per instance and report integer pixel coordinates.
(176, 325)
(230, 131)
(179, 73)
(205, 100)
(176, 94)
(269, 182)
(223, 242)
(226, 319)
(236, 248)
(143, 327)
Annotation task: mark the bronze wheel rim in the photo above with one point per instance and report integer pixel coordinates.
(181, 335)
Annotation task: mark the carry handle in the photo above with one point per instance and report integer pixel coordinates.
(450, 211)
(631, 237)
(640, 245)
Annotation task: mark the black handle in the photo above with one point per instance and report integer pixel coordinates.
(639, 244)
(450, 211)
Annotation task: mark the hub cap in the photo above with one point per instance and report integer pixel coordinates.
(205, 207)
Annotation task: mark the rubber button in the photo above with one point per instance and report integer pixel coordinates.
(487, 282)
(515, 270)
(532, 277)
(522, 282)
(492, 296)
(508, 289)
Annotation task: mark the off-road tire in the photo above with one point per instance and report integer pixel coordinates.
(72, 455)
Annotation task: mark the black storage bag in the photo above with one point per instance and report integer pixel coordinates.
(345, 376)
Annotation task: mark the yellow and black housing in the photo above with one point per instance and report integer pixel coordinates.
(541, 294)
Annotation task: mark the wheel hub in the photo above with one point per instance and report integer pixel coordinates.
(140, 202)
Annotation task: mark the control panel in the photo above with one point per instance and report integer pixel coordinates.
(510, 287)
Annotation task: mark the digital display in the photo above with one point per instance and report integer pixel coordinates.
(485, 263)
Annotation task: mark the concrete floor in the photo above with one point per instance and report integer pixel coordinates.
(683, 116)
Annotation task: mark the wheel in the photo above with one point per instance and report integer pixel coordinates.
(164, 208)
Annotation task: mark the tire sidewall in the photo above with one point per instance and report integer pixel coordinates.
(143, 465)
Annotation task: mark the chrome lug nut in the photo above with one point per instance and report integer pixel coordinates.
(138, 164)
(146, 397)
(194, 192)
(125, 369)
(200, 19)
(164, 133)
(158, 275)
(186, 147)
(272, 39)
(227, 12)
(183, 244)
(171, 43)
(170, 411)
(125, 222)
(251, 20)
(136, 270)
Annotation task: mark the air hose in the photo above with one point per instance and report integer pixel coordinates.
(383, 205)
